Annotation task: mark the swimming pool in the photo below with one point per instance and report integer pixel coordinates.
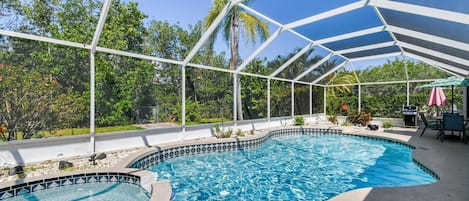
(307, 167)
(88, 191)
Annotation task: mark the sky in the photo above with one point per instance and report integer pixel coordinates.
(187, 12)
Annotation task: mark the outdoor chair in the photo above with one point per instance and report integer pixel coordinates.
(453, 122)
(433, 125)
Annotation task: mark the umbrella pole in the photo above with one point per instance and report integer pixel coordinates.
(452, 99)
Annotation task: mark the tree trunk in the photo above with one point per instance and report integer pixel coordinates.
(234, 39)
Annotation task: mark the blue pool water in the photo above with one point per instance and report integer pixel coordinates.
(88, 191)
(293, 168)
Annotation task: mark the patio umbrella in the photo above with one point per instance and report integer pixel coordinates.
(437, 97)
(452, 82)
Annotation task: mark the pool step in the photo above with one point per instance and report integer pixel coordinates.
(161, 191)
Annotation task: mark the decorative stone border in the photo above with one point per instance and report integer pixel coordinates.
(153, 158)
(135, 177)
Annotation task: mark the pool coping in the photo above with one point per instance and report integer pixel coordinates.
(356, 194)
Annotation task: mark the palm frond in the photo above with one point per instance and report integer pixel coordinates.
(253, 27)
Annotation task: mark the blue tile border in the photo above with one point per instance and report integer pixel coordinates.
(44, 184)
(154, 158)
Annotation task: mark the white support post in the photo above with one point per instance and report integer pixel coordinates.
(183, 101)
(94, 43)
(325, 101)
(92, 104)
(235, 99)
(292, 100)
(268, 99)
(310, 100)
(408, 93)
(407, 83)
(359, 98)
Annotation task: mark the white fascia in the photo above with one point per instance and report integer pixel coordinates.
(445, 67)
(394, 54)
(329, 72)
(434, 53)
(366, 47)
(210, 30)
(99, 27)
(429, 37)
(422, 10)
(314, 66)
(327, 14)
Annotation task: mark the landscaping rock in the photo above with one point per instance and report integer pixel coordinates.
(65, 165)
(374, 125)
(100, 156)
(15, 170)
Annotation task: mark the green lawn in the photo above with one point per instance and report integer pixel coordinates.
(81, 131)
(208, 121)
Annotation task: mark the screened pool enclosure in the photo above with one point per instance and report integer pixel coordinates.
(338, 34)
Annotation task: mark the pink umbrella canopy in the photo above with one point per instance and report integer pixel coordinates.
(437, 97)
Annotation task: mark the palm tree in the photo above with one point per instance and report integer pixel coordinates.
(236, 22)
(339, 78)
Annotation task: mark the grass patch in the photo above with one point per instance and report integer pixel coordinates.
(207, 121)
(81, 131)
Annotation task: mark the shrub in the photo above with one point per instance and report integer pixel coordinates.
(388, 124)
(192, 111)
(239, 133)
(361, 118)
(299, 120)
(346, 123)
(228, 133)
(333, 119)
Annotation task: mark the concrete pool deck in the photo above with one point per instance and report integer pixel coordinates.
(448, 159)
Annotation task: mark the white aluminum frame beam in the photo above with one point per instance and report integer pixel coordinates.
(210, 30)
(445, 67)
(429, 37)
(354, 73)
(327, 14)
(266, 43)
(434, 53)
(44, 39)
(351, 35)
(314, 66)
(422, 10)
(366, 47)
(292, 100)
(378, 83)
(380, 16)
(329, 72)
(291, 60)
(378, 56)
(85, 46)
